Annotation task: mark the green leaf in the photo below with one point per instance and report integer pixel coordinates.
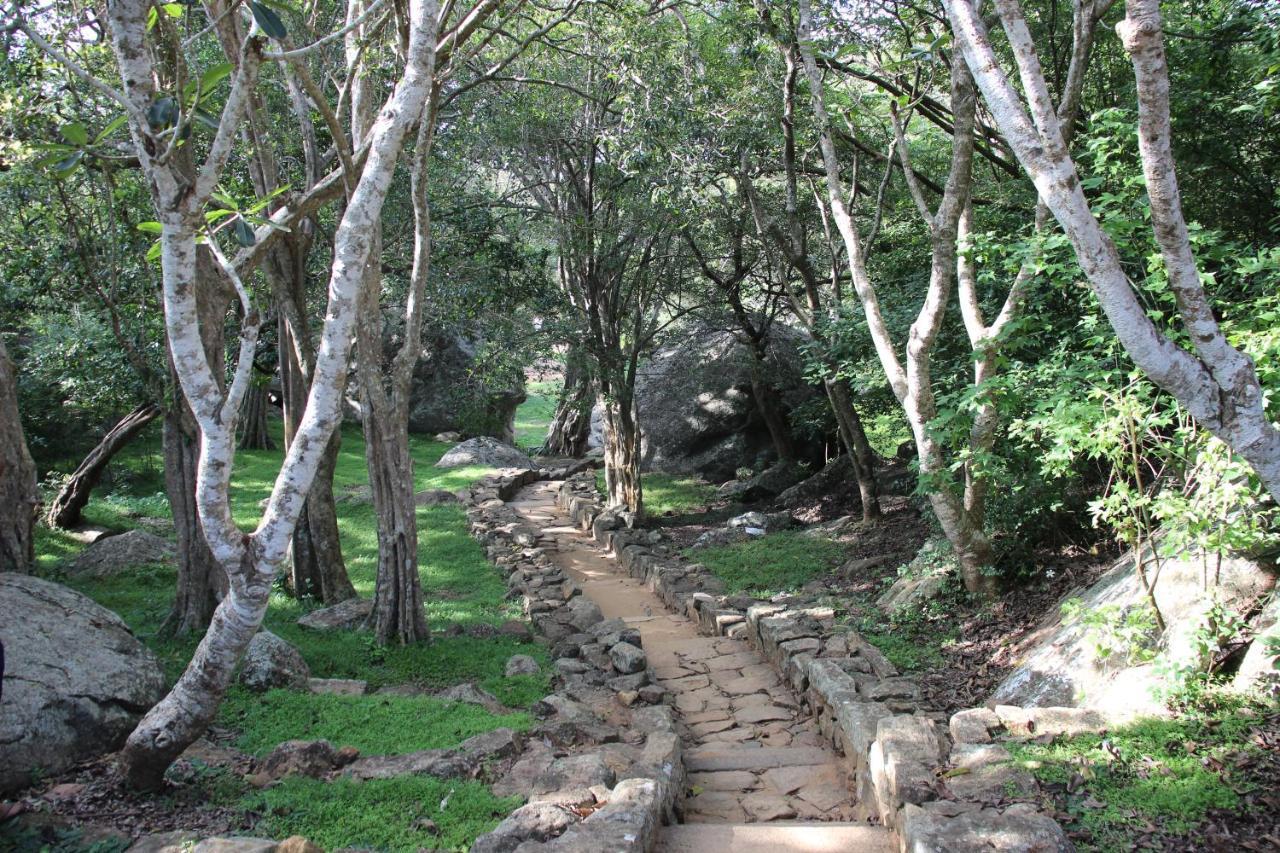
(115, 124)
(173, 10)
(222, 198)
(268, 21)
(153, 253)
(63, 168)
(215, 75)
(244, 233)
(75, 133)
(202, 117)
(150, 227)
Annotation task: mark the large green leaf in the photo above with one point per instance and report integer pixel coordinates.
(75, 133)
(268, 21)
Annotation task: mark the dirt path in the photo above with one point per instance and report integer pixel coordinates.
(751, 754)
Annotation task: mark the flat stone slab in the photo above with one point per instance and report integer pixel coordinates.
(754, 758)
(794, 837)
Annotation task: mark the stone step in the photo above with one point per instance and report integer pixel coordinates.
(705, 759)
(793, 837)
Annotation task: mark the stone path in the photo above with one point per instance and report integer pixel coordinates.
(752, 756)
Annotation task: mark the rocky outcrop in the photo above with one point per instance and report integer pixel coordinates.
(1061, 662)
(697, 412)
(76, 680)
(486, 452)
(112, 554)
(448, 395)
(345, 615)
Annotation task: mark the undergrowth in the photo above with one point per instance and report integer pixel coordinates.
(779, 562)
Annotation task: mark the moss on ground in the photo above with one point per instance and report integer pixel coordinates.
(375, 725)
(406, 813)
(780, 562)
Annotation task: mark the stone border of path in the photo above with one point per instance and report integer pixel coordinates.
(590, 653)
(939, 784)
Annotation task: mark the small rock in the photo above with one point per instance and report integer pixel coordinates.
(473, 695)
(522, 665)
(627, 658)
(298, 844)
(337, 686)
(435, 497)
(345, 615)
(112, 554)
(449, 437)
(271, 662)
(313, 758)
(516, 629)
(628, 697)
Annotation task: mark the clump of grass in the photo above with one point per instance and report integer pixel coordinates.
(534, 415)
(780, 562)
(375, 725)
(407, 813)
(1169, 773)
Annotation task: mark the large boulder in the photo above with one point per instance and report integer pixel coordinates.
(76, 681)
(487, 452)
(697, 412)
(1076, 661)
(112, 554)
(449, 395)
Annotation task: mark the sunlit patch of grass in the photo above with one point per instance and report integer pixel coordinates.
(375, 725)
(670, 494)
(406, 813)
(779, 562)
(534, 415)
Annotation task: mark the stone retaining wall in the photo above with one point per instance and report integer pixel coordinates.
(603, 768)
(940, 784)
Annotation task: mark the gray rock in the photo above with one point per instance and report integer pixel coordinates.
(345, 615)
(721, 536)
(271, 662)
(627, 658)
(532, 822)
(573, 772)
(447, 395)
(1259, 669)
(467, 759)
(516, 629)
(584, 613)
(435, 497)
(473, 695)
(985, 831)
(767, 484)
(1058, 665)
(313, 758)
(832, 477)
(486, 452)
(76, 680)
(112, 554)
(522, 665)
(697, 413)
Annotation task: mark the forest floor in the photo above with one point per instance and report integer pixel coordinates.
(1205, 779)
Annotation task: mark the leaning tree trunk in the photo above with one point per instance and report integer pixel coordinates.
(70, 502)
(19, 495)
(201, 580)
(254, 434)
(316, 565)
(570, 430)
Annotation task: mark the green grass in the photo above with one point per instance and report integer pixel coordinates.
(1168, 773)
(670, 494)
(535, 414)
(910, 647)
(375, 725)
(779, 562)
(407, 813)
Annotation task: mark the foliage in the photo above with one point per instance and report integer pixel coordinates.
(1116, 634)
(1164, 772)
(403, 814)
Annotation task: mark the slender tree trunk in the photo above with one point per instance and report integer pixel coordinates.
(316, 565)
(254, 434)
(70, 502)
(19, 495)
(854, 437)
(201, 580)
(570, 429)
(769, 404)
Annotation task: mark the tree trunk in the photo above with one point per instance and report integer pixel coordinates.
(570, 430)
(19, 495)
(70, 502)
(769, 404)
(855, 441)
(254, 434)
(316, 566)
(201, 580)
(622, 455)
(398, 615)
